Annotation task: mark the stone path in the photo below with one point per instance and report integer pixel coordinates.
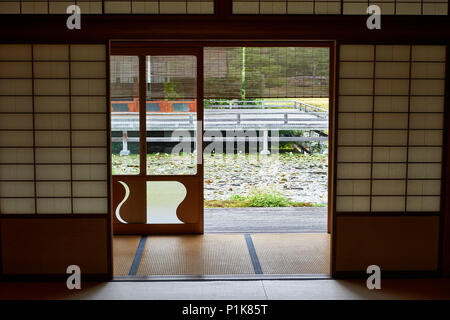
(270, 220)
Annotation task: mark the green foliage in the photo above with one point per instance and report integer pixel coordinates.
(266, 200)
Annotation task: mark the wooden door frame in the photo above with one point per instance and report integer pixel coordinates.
(128, 47)
(141, 50)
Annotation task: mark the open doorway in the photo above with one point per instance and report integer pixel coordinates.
(259, 189)
(266, 114)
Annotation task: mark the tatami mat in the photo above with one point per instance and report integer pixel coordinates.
(195, 255)
(124, 251)
(303, 253)
(223, 254)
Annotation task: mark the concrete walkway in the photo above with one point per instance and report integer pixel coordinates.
(266, 220)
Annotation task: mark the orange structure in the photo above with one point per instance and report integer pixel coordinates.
(128, 105)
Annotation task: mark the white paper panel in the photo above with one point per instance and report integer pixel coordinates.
(51, 52)
(50, 126)
(352, 204)
(357, 52)
(16, 121)
(273, 7)
(354, 154)
(89, 104)
(89, 138)
(30, 7)
(387, 204)
(355, 104)
(408, 8)
(51, 70)
(353, 187)
(388, 187)
(52, 104)
(439, 9)
(424, 187)
(390, 121)
(117, 6)
(200, 7)
(424, 171)
(52, 121)
(392, 70)
(90, 189)
(393, 53)
(175, 7)
(355, 86)
(408, 106)
(15, 52)
(425, 137)
(90, 172)
(53, 189)
(90, 205)
(428, 53)
(423, 204)
(52, 172)
(392, 87)
(16, 155)
(17, 189)
(390, 137)
(93, 7)
(356, 70)
(426, 121)
(355, 137)
(427, 87)
(59, 7)
(427, 104)
(428, 70)
(389, 154)
(390, 104)
(88, 87)
(58, 87)
(89, 155)
(354, 8)
(56, 205)
(15, 69)
(88, 70)
(425, 154)
(355, 121)
(53, 155)
(353, 171)
(16, 172)
(52, 138)
(16, 139)
(144, 7)
(389, 171)
(87, 52)
(16, 104)
(88, 121)
(17, 206)
(16, 87)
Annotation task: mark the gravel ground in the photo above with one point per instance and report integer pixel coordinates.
(298, 177)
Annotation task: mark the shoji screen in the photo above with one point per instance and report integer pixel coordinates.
(108, 6)
(357, 7)
(398, 7)
(53, 145)
(389, 155)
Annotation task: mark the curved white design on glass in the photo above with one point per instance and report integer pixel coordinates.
(127, 194)
(163, 199)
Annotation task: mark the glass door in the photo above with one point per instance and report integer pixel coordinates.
(156, 125)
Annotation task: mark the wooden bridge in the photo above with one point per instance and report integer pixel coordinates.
(235, 115)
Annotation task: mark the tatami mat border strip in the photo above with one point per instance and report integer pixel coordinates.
(138, 256)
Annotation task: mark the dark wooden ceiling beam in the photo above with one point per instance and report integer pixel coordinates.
(396, 29)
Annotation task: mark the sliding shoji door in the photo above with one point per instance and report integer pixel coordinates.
(390, 126)
(54, 173)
